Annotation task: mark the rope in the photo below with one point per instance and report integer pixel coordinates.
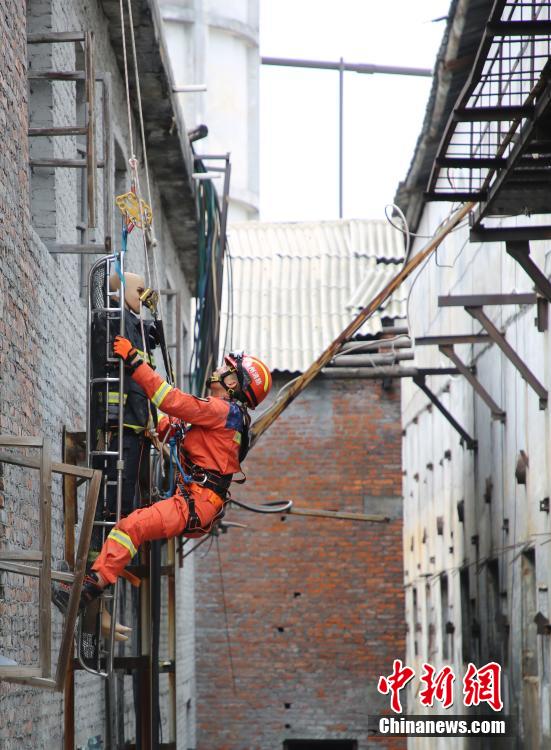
(226, 616)
(126, 79)
(155, 283)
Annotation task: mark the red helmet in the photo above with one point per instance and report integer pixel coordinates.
(255, 379)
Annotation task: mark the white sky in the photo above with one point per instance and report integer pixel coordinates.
(299, 108)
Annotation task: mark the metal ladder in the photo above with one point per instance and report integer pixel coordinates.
(99, 304)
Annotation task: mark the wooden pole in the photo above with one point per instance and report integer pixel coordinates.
(269, 416)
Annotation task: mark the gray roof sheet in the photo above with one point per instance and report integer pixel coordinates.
(296, 286)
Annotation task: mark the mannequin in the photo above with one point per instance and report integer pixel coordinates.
(139, 417)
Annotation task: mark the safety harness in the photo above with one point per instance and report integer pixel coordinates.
(187, 472)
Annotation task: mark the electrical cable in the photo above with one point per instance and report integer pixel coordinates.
(272, 507)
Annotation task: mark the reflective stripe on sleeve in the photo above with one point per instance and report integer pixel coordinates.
(122, 538)
(160, 394)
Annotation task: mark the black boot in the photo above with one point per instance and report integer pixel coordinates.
(90, 590)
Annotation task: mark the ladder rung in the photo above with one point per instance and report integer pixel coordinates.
(78, 249)
(64, 163)
(56, 75)
(104, 453)
(105, 524)
(74, 130)
(106, 310)
(56, 36)
(61, 75)
(93, 381)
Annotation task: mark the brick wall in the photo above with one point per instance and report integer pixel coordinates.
(42, 348)
(315, 607)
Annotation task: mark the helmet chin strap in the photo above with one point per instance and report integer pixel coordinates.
(232, 392)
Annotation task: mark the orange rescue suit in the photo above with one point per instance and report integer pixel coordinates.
(212, 442)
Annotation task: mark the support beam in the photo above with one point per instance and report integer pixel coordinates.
(509, 234)
(518, 28)
(475, 196)
(465, 162)
(512, 356)
(492, 114)
(377, 373)
(478, 300)
(520, 251)
(469, 338)
(450, 353)
(419, 381)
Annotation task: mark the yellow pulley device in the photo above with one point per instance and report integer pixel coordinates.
(150, 298)
(136, 210)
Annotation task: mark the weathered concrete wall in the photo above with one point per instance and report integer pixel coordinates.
(315, 607)
(42, 340)
(492, 567)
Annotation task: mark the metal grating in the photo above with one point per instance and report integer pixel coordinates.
(493, 139)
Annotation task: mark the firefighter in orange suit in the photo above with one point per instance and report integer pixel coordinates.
(210, 454)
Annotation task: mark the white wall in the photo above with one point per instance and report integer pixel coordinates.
(434, 484)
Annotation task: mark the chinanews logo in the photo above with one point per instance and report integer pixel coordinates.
(479, 687)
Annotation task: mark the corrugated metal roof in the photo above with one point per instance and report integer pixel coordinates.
(293, 284)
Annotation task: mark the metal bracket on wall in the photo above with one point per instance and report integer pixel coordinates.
(473, 305)
(450, 353)
(445, 345)
(520, 251)
(470, 442)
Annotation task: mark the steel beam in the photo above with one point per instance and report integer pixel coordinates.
(520, 251)
(368, 68)
(512, 356)
(469, 338)
(476, 196)
(458, 162)
(492, 114)
(478, 300)
(518, 28)
(450, 353)
(509, 234)
(378, 373)
(419, 381)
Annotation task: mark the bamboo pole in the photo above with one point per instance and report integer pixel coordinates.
(269, 416)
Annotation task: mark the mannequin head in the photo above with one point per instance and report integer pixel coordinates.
(134, 285)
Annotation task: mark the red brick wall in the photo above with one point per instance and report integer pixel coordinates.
(315, 607)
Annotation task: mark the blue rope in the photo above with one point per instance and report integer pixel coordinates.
(124, 243)
(174, 460)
